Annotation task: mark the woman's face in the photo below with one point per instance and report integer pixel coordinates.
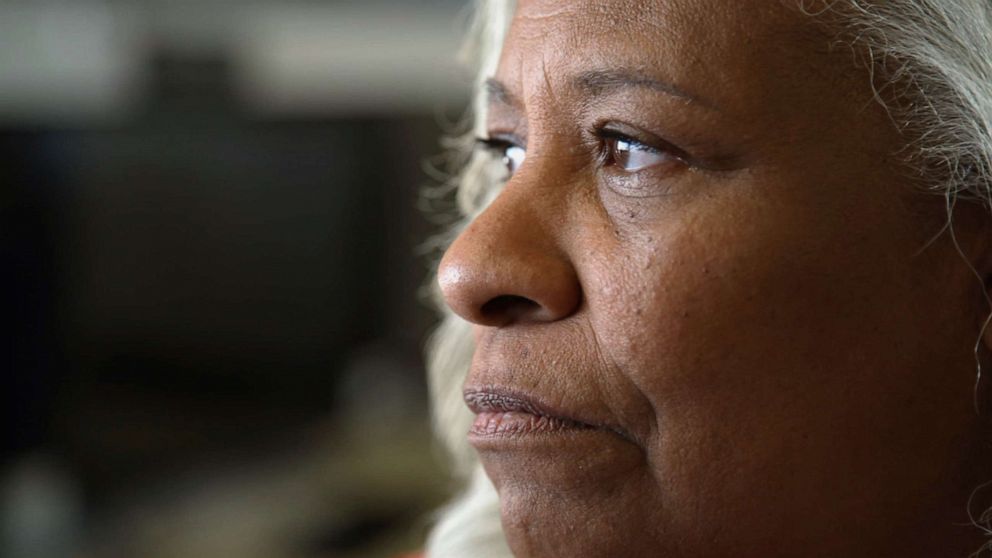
(708, 314)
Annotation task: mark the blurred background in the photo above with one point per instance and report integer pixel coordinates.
(212, 274)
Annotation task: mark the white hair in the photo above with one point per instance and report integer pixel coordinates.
(470, 525)
(930, 63)
(936, 57)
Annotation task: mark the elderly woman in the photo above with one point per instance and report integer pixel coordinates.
(726, 293)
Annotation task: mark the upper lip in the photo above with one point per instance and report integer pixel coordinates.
(500, 399)
(482, 400)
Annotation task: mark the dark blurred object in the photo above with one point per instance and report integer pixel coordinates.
(31, 225)
(199, 289)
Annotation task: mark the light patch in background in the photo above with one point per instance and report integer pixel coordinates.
(67, 62)
(88, 61)
(349, 58)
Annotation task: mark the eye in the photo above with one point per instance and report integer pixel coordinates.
(513, 157)
(510, 153)
(629, 155)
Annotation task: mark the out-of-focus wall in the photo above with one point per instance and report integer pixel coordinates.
(212, 274)
(87, 61)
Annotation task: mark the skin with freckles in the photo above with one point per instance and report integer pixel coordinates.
(709, 261)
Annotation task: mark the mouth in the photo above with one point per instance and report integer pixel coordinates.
(529, 441)
(501, 414)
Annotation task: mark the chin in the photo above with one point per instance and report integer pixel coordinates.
(583, 521)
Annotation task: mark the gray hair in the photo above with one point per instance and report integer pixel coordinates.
(930, 64)
(935, 59)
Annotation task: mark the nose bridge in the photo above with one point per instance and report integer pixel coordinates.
(508, 264)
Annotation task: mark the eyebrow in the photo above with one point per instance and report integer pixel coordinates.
(498, 92)
(600, 82)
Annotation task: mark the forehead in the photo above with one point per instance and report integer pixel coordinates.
(725, 50)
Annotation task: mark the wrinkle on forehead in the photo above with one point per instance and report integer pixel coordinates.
(715, 48)
(563, 29)
(789, 19)
(537, 14)
(551, 31)
(615, 11)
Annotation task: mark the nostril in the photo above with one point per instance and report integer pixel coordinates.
(508, 307)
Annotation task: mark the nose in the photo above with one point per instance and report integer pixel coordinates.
(508, 267)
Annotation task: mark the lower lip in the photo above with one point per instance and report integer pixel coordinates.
(509, 424)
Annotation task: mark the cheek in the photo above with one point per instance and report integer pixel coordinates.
(784, 350)
(725, 290)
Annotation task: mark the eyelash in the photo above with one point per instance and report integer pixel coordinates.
(608, 138)
(496, 146)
